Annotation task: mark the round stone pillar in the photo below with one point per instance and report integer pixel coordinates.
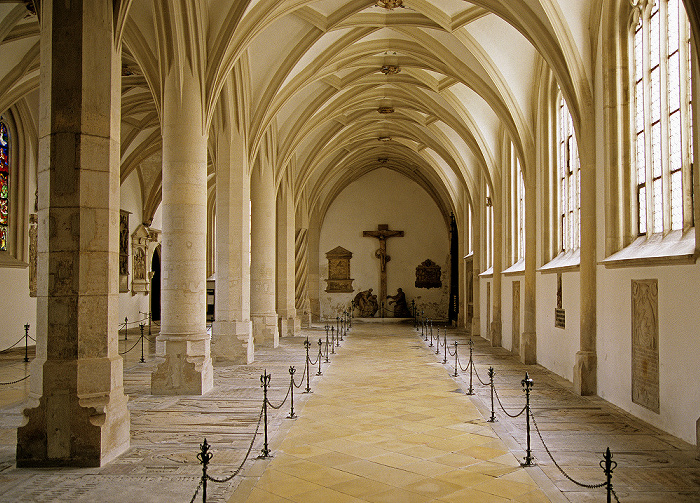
(183, 339)
(263, 257)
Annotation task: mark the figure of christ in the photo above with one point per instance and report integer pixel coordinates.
(382, 233)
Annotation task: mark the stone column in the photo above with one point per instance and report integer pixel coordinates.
(314, 275)
(183, 339)
(479, 248)
(263, 258)
(232, 331)
(77, 413)
(286, 278)
(586, 367)
(303, 305)
(496, 328)
(528, 338)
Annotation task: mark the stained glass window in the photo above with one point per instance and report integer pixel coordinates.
(662, 118)
(4, 185)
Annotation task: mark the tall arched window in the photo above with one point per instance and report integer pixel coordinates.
(662, 117)
(4, 185)
(569, 168)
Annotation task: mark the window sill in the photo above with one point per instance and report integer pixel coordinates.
(488, 273)
(566, 261)
(676, 247)
(8, 261)
(517, 268)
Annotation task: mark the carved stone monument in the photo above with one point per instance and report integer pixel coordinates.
(143, 242)
(339, 280)
(366, 304)
(645, 343)
(401, 309)
(123, 251)
(428, 275)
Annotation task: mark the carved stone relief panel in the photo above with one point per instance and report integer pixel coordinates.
(339, 280)
(428, 275)
(33, 235)
(123, 251)
(645, 343)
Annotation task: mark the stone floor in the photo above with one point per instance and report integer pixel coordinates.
(386, 422)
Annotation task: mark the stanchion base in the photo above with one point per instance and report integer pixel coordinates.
(525, 463)
(305, 392)
(319, 373)
(292, 417)
(471, 392)
(494, 420)
(266, 456)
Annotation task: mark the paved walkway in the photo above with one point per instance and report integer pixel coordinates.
(386, 422)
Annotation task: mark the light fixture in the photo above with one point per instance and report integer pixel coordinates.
(385, 110)
(384, 138)
(383, 160)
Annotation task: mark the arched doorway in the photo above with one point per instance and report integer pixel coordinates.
(155, 285)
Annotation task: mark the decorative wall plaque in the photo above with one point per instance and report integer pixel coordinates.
(123, 251)
(559, 313)
(33, 234)
(339, 280)
(645, 343)
(515, 333)
(143, 242)
(428, 275)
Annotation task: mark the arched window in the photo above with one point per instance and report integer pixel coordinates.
(569, 168)
(4, 185)
(521, 211)
(663, 148)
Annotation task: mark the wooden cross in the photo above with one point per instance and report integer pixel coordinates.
(382, 233)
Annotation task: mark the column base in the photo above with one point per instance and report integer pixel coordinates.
(496, 334)
(187, 369)
(63, 429)
(296, 327)
(476, 325)
(697, 438)
(585, 373)
(265, 330)
(528, 348)
(232, 341)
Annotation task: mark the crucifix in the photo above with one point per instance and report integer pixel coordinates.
(382, 233)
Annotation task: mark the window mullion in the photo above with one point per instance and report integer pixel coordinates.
(686, 122)
(648, 151)
(665, 112)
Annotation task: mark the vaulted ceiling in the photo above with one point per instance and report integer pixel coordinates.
(341, 87)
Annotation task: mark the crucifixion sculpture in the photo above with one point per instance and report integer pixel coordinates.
(382, 233)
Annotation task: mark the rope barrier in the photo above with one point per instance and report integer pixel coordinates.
(196, 491)
(503, 408)
(15, 382)
(289, 388)
(5, 350)
(132, 347)
(479, 378)
(301, 381)
(245, 458)
(569, 477)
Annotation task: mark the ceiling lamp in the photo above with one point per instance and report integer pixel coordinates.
(390, 4)
(385, 110)
(384, 138)
(390, 69)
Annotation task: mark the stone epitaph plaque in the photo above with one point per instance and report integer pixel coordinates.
(559, 313)
(645, 343)
(339, 280)
(428, 275)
